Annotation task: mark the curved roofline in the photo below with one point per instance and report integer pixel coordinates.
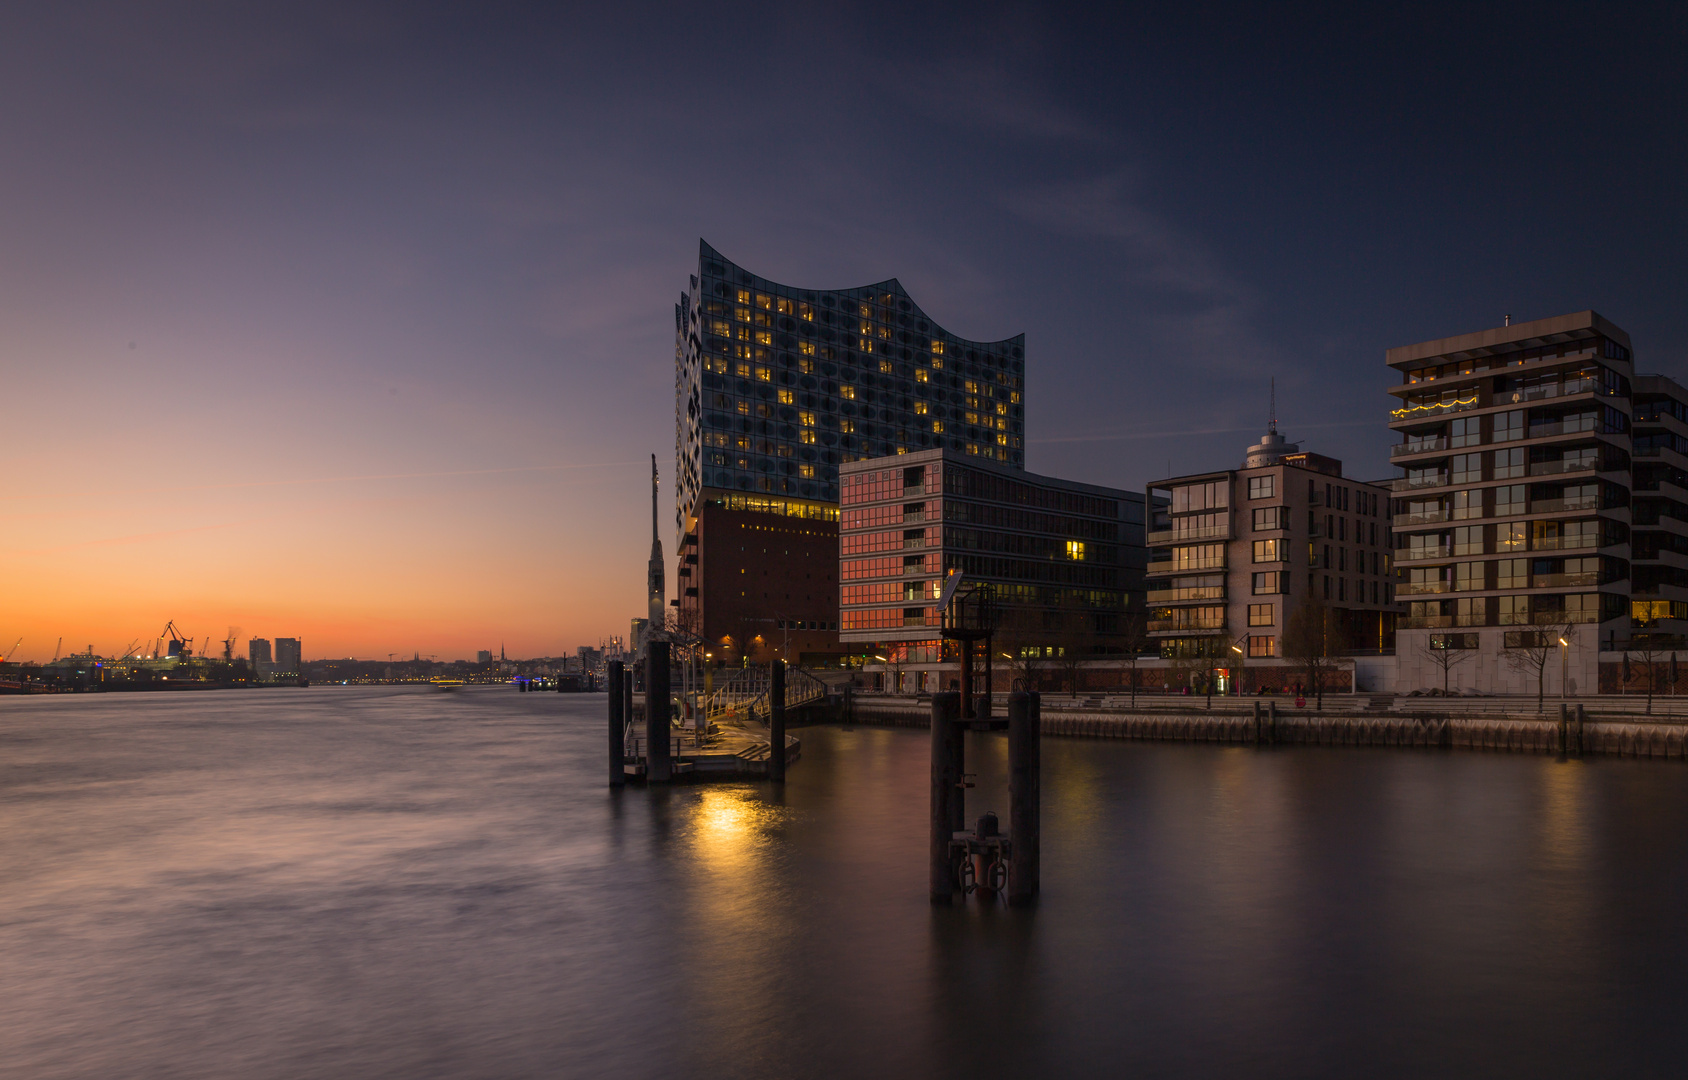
(892, 285)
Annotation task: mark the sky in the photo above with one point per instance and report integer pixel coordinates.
(354, 322)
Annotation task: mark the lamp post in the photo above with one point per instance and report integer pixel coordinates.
(1242, 661)
(1564, 664)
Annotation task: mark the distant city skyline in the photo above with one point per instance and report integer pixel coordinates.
(356, 321)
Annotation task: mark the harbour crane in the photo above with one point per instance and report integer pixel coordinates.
(127, 649)
(57, 648)
(12, 650)
(180, 644)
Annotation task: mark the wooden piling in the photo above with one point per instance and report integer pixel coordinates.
(618, 728)
(1025, 793)
(658, 760)
(776, 723)
(1577, 734)
(946, 792)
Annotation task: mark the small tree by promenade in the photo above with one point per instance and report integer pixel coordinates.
(1443, 654)
(1025, 644)
(1529, 652)
(1653, 652)
(1311, 639)
(1075, 641)
(1134, 639)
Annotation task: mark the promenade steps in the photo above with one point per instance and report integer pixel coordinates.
(1656, 737)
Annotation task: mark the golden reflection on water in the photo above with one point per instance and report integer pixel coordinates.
(729, 828)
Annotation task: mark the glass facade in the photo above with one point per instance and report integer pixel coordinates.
(776, 386)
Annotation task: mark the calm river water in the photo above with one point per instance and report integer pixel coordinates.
(400, 883)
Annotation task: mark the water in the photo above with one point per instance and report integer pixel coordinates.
(400, 883)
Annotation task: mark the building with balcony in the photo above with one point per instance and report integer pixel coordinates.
(1513, 514)
(1064, 560)
(776, 389)
(1234, 554)
(1659, 510)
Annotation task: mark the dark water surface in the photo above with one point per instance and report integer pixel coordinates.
(401, 883)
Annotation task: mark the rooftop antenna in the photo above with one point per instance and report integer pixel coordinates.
(1509, 320)
(1272, 420)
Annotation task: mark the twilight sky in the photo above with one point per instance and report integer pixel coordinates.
(354, 322)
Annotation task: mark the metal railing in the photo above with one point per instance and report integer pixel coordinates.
(1419, 446)
(1558, 506)
(1434, 517)
(1173, 596)
(1176, 536)
(1420, 588)
(1440, 551)
(1554, 468)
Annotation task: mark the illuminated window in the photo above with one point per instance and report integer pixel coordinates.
(972, 448)
(744, 408)
(744, 333)
(787, 397)
(971, 387)
(885, 367)
(938, 426)
(806, 366)
(848, 392)
(1002, 408)
(866, 311)
(807, 472)
(937, 350)
(1014, 396)
(920, 408)
(937, 362)
(786, 307)
(764, 337)
(807, 348)
(1002, 440)
(1075, 550)
(807, 419)
(972, 417)
(1260, 614)
(764, 374)
(885, 331)
(865, 344)
(742, 442)
(764, 301)
(921, 375)
(847, 426)
(741, 314)
(805, 311)
(807, 438)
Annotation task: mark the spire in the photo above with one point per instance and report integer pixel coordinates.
(1272, 418)
(654, 540)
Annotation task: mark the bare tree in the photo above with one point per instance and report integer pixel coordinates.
(1535, 650)
(1445, 656)
(1653, 651)
(1134, 639)
(1025, 644)
(1075, 641)
(1311, 638)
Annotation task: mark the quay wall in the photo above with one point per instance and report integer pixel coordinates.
(1532, 735)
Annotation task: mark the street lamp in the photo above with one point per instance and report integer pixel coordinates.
(1564, 663)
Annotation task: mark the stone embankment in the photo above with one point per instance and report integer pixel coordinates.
(1449, 730)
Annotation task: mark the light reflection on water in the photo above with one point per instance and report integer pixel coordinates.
(346, 882)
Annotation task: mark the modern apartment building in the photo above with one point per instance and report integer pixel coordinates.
(1064, 560)
(1659, 510)
(1233, 554)
(258, 651)
(778, 387)
(1513, 516)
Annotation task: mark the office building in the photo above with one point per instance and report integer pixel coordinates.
(258, 651)
(1063, 560)
(484, 656)
(776, 388)
(287, 655)
(1234, 554)
(1513, 512)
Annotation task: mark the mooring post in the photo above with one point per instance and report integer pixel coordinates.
(946, 792)
(1564, 725)
(1579, 732)
(966, 679)
(618, 728)
(1025, 784)
(776, 723)
(1257, 723)
(659, 767)
(1272, 723)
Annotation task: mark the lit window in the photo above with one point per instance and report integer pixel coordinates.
(848, 392)
(786, 307)
(764, 337)
(787, 397)
(741, 314)
(806, 366)
(885, 367)
(744, 408)
(971, 387)
(1014, 396)
(807, 348)
(920, 408)
(972, 418)
(847, 426)
(807, 472)
(937, 350)
(742, 371)
(937, 361)
(938, 426)
(1075, 550)
(866, 313)
(1002, 408)
(764, 374)
(806, 312)
(744, 296)
(807, 419)
(1002, 440)
(764, 301)
(865, 344)
(921, 375)
(807, 438)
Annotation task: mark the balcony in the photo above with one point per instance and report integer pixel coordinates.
(1424, 410)
(1561, 427)
(1440, 551)
(1434, 517)
(1179, 596)
(1175, 626)
(1163, 537)
(1421, 588)
(1551, 618)
(1419, 446)
(1410, 483)
(1556, 468)
(1425, 622)
(1172, 566)
(911, 542)
(1314, 562)
(1560, 506)
(1564, 543)
(1560, 581)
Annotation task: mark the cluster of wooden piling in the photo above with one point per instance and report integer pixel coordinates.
(949, 796)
